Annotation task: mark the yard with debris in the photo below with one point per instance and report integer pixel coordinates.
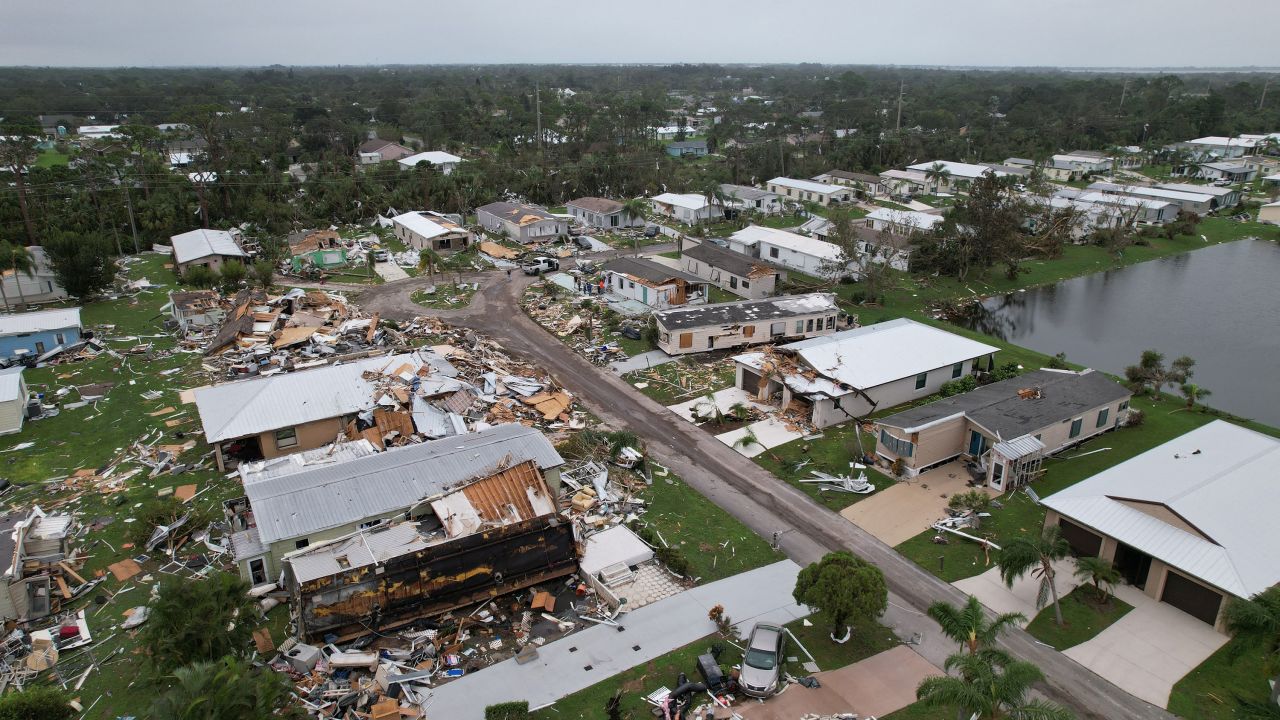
(445, 296)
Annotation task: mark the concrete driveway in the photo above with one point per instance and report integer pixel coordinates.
(390, 271)
(1149, 649)
(874, 687)
(906, 509)
(991, 590)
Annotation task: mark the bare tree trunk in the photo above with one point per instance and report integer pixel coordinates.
(22, 204)
(1053, 593)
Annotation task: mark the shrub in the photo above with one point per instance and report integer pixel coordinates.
(200, 276)
(1006, 371)
(36, 703)
(1135, 418)
(232, 273)
(975, 500)
(515, 710)
(1058, 362)
(958, 386)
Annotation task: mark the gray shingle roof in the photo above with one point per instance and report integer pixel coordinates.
(649, 270)
(332, 496)
(717, 257)
(746, 311)
(998, 408)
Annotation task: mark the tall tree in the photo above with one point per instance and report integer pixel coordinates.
(969, 625)
(1255, 623)
(1036, 555)
(18, 153)
(843, 586)
(990, 685)
(938, 174)
(83, 265)
(199, 621)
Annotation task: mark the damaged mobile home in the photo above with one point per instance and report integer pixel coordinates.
(38, 547)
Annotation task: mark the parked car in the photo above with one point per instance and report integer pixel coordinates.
(539, 265)
(762, 663)
(651, 230)
(583, 241)
(381, 256)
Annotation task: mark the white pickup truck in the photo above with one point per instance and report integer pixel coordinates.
(539, 265)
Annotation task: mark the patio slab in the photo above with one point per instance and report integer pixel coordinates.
(991, 590)
(725, 399)
(906, 509)
(770, 433)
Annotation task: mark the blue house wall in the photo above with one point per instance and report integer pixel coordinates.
(38, 342)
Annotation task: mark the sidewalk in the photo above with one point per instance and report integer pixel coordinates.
(654, 630)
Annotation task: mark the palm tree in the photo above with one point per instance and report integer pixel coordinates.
(1101, 573)
(1036, 555)
(989, 684)
(636, 207)
(968, 624)
(1194, 394)
(938, 174)
(1256, 621)
(19, 260)
(224, 688)
(707, 403)
(747, 440)
(18, 153)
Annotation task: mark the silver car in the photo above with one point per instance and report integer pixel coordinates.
(762, 664)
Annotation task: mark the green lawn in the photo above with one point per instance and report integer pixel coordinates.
(1217, 689)
(715, 543)
(832, 454)
(1020, 516)
(868, 638)
(446, 296)
(916, 711)
(716, 294)
(1083, 617)
(52, 158)
(684, 379)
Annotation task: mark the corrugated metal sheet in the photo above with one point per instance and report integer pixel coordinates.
(362, 549)
(1220, 479)
(202, 243)
(289, 464)
(1019, 447)
(40, 320)
(321, 498)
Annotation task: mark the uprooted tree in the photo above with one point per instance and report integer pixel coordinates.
(843, 586)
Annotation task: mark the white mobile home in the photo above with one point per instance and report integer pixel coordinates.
(740, 274)
(810, 191)
(688, 208)
(700, 328)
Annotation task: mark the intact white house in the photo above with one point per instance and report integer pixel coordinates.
(424, 230)
(902, 222)
(795, 252)
(210, 248)
(602, 213)
(855, 372)
(743, 197)
(688, 208)
(440, 160)
(810, 191)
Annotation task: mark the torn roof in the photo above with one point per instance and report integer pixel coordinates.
(39, 321)
(327, 497)
(518, 213)
(249, 407)
(649, 271)
(747, 311)
(426, 224)
(1219, 480)
(873, 355)
(360, 549)
(203, 243)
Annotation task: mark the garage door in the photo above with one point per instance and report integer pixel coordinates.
(1084, 543)
(1191, 597)
(750, 382)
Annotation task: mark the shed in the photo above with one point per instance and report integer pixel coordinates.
(13, 400)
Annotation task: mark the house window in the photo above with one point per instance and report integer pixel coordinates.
(60, 338)
(1124, 406)
(958, 369)
(39, 348)
(257, 572)
(666, 337)
(1075, 427)
(897, 446)
(831, 322)
(286, 438)
(631, 284)
(799, 326)
(921, 380)
(446, 243)
(733, 282)
(711, 343)
(369, 524)
(299, 544)
(773, 252)
(809, 325)
(1102, 417)
(746, 285)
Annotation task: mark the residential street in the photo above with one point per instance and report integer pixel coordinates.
(806, 530)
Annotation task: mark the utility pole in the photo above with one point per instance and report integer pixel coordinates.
(128, 203)
(537, 104)
(902, 85)
(1263, 99)
(1124, 93)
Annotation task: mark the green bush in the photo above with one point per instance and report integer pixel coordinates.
(200, 276)
(1006, 371)
(956, 387)
(36, 703)
(516, 710)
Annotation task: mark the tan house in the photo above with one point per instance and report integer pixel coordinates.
(425, 230)
(652, 284)
(1269, 213)
(268, 417)
(721, 326)
(1191, 523)
(809, 191)
(378, 150)
(1007, 426)
(740, 274)
(210, 248)
(602, 213)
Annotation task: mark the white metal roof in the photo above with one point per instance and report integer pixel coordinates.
(360, 549)
(11, 387)
(332, 496)
(1220, 479)
(1197, 189)
(689, 201)
(873, 355)
(957, 169)
(334, 454)
(910, 175)
(435, 157)
(802, 244)
(38, 321)
(916, 219)
(248, 407)
(421, 223)
(201, 243)
(1218, 140)
(809, 185)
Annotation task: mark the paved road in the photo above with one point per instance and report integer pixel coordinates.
(806, 530)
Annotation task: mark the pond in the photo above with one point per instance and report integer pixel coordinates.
(1220, 305)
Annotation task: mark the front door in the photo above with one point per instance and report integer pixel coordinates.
(1133, 564)
(997, 475)
(977, 443)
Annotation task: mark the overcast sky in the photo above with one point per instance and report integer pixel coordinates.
(1128, 33)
